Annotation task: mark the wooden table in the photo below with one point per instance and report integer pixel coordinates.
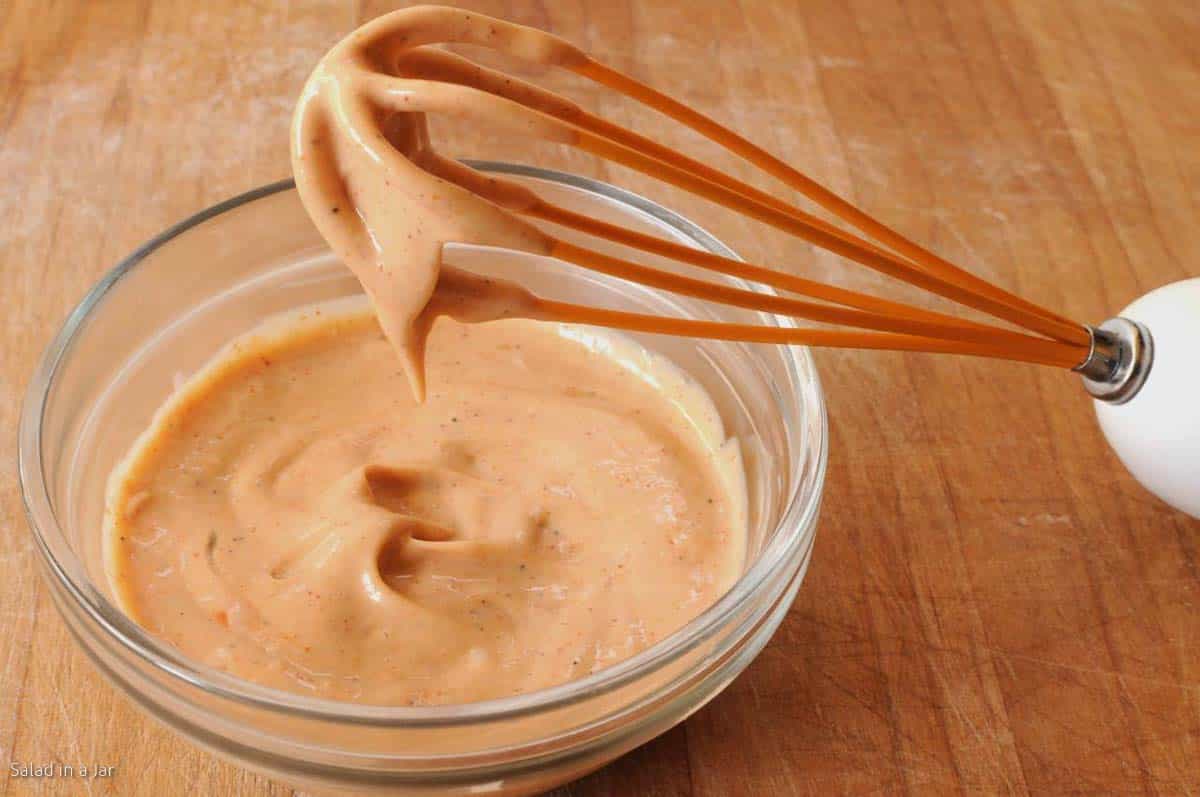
(994, 605)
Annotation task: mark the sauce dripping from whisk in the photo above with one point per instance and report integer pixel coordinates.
(387, 202)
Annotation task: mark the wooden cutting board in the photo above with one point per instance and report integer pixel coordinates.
(994, 606)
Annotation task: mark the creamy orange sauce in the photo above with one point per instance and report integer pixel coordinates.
(369, 177)
(559, 502)
(440, 503)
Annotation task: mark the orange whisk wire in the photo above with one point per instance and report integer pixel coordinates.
(735, 143)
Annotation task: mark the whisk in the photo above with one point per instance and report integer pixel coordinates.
(379, 84)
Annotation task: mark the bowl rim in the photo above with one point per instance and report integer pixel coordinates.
(799, 513)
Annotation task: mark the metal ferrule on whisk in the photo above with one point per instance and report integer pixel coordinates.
(1119, 360)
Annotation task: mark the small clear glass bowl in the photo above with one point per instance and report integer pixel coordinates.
(173, 303)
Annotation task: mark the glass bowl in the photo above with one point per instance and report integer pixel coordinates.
(157, 316)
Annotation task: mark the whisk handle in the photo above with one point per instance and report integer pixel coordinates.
(1144, 372)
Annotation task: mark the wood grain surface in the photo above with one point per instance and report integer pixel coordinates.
(994, 606)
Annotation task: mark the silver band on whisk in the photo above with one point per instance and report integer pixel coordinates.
(1120, 358)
